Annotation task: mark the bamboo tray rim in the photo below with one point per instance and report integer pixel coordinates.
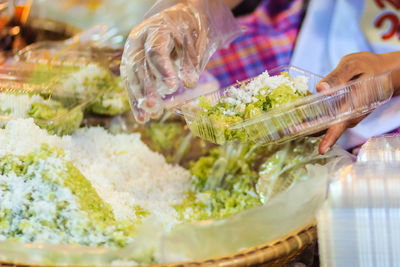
(264, 253)
(257, 254)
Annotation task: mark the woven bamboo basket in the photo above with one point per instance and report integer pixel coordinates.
(278, 253)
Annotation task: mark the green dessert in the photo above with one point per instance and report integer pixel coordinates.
(221, 121)
(45, 199)
(101, 187)
(58, 95)
(169, 139)
(286, 164)
(93, 84)
(235, 177)
(49, 114)
(92, 188)
(224, 184)
(55, 118)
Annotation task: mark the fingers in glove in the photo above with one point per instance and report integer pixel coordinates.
(194, 56)
(132, 70)
(159, 47)
(157, 114)
(150, 101)
(188, 70)
(144, 98)
(140, 115)
(135, 96)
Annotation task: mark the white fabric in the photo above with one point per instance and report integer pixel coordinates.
(332, 29)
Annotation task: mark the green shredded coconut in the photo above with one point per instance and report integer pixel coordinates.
(47, 113)
(91, 83)
(235, 177)
(224, 184)
(56, 203)
(55, 118)
(168, 138)
(217, 122)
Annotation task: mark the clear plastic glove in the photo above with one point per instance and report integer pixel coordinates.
(172, 44)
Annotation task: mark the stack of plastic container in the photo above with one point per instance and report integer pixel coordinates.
(358, 224)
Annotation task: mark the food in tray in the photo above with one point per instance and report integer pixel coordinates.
(286, 164)
(240, 104)
(168, 138)
(46, 199)
(94, 188)
(91, 82)
(47, 113)
(223, 184)
(235, 176)
(110, 97)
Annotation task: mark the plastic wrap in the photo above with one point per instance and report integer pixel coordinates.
(306, 116)
(173, 43)
(99, 35)
(285, 213)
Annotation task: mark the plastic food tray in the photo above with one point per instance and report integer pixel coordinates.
(16, 80)
(74, 54)
(309, 115)
(18, 77)
(358, 225)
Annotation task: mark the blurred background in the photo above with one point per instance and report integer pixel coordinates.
(23, 22)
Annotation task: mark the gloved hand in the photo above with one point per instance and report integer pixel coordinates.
(172, 44)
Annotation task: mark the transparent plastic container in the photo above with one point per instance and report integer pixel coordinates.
(22, 96)
(306, 116)
(21, 77)
(358, 225)
(381, 148)
(70, 54)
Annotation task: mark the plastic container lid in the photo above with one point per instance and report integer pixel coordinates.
(74, 54)
(308, 115)
(358, 225)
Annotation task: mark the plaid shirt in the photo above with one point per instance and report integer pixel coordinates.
(268, 42)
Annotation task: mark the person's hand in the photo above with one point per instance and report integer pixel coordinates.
(352, 66)
(173, 44)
